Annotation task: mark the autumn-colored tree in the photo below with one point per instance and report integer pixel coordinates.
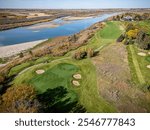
(2, 78)
(132, 34)
(19, 99)
(90, 52)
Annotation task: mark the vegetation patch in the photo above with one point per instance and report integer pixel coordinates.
(148, 58)
(59, 75)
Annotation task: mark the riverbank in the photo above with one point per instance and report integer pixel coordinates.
(71, 18)
(7, 51)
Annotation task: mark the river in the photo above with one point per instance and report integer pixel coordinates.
(31, 33)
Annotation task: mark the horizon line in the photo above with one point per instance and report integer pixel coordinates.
(80, 8)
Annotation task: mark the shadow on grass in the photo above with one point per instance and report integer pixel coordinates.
(57, 100)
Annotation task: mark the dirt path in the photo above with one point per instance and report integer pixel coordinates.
(114, 79)
(136, 65)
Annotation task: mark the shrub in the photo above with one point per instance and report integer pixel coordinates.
(132, 34)
(81, 54)
(90, 52)
(21, 55)
(143, 40)
(130, 27)
(2, 78)
(121, 38)
(19, 99)
(126, 42)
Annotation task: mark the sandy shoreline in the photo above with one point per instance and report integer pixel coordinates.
(46, 25)
(71, 18)
(7, 51)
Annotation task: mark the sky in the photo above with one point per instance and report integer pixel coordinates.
(74, 4)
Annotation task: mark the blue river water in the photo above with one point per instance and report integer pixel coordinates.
(24, 34)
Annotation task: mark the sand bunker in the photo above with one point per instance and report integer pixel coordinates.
(148, 66)
(142, 54)
(75, 83)
(77, 76)
(149, 53)
(40, 71)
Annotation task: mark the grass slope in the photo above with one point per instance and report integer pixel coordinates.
(59, 73)
(136, 65)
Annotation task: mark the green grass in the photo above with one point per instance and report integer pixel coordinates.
(59, 72)
(2, 61)
(140, 73)
(148, 58)
(17, 69)
(144, 25)
(111, 31)
(59, 75)
(102, 37)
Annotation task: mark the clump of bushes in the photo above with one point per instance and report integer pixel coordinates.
(121, 38)
(19, 99)
(135, 35)
(143, 40)
(2, 78)
(132, 34)
(81, 54)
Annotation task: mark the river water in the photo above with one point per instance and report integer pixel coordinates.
(31, 33)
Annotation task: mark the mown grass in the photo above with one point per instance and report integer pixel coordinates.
(111, 31)
(59, 75)
(144, 25)
(102, 38)
(54, 76)
(139, 71)
(17, 69)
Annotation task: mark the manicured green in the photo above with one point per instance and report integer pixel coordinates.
(111, 31)
(59, 75)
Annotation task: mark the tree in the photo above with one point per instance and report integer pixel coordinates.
(121, 38)
(30, 52)
(2, 78)
(130, 26)
(90, 52)
(143, 40)
(19, 99)
(21, 55)
(132, 34)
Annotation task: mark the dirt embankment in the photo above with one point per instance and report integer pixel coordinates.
(114, 80)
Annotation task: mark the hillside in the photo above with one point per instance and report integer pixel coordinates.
(92, 71)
